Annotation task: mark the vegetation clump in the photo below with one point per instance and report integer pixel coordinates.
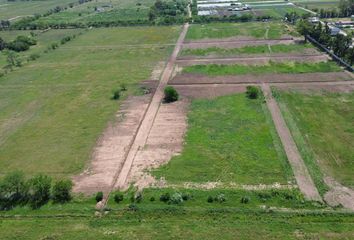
(252, 92)
(61, 192)
(171, 94)
(116, 95)
(118, 197)
(99, 196)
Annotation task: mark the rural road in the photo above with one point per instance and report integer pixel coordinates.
(143, 131)
(302, 176)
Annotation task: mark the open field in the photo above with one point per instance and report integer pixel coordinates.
(325, 121)
(230, 139)
(61, 103)
(261, 49)
(16, 9)
(289, 67)
(110, 11)
(257, 30)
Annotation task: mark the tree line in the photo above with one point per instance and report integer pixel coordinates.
(16, 190)
(339, 44)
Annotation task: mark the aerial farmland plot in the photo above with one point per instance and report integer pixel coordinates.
(187, 131)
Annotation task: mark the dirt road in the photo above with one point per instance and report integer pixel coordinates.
(302, 176)
(147, 122)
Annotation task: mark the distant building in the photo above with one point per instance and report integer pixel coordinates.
(344, 24)
(334, 31)
(314, 20)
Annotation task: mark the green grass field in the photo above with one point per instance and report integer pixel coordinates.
(325, 122)
(272, 67)
(44, 41)
(13, 9)
(230, 139)
(179, 224)
(53, 110)
(116, 10)
(227, 30)
(261, 49)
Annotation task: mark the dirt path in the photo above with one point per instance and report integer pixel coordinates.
(339, 194)
(302, 176)
(147, 122)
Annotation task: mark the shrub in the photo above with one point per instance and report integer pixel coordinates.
(39, 190)
(13, 190)
(245, 199)
(61, 191)
(118, 197)
(152, 199)
(171, 95)
(116, 95)
(210, 199)
(99, 196)
(176, 198)
(220, 198)
(252, 92)
(54, 46)
(186, 196)
(133, 207)
(165, 197)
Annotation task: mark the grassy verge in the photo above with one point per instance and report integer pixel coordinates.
(321, 124)
(279, 48)
(228, 140)
(272, 67)
(179, 224)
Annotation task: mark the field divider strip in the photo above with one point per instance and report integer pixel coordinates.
(145, 125)
(302, 176)
(301, 83)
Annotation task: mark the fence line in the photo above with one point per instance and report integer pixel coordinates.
(334, 56)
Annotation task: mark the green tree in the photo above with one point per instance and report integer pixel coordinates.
(39, 190)
(13, 190)
(171, 94)
(61, 191)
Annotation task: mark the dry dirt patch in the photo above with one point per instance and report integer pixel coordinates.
(164, 141)
(109, 154)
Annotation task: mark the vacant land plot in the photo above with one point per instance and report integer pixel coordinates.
(101, 11)
(230, 139)
(325, 122)
(272, 67)
(257, 30)
(61, 103)
(261, 49)
(16, 9)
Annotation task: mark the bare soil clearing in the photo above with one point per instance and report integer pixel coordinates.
(146, 124)
(235, 42)
(339, 194)
(301, 173)
(254, 60)
(111, 149)
(208, 91)
(191, 78)
(164, 141)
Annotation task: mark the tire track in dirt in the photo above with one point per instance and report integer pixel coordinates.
(148, 119)
(302, 176)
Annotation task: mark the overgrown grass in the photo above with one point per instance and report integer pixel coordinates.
(322, 126)
(226, 30)
(279, 48)
(229, 140)
(271, 67)
(53, 110)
